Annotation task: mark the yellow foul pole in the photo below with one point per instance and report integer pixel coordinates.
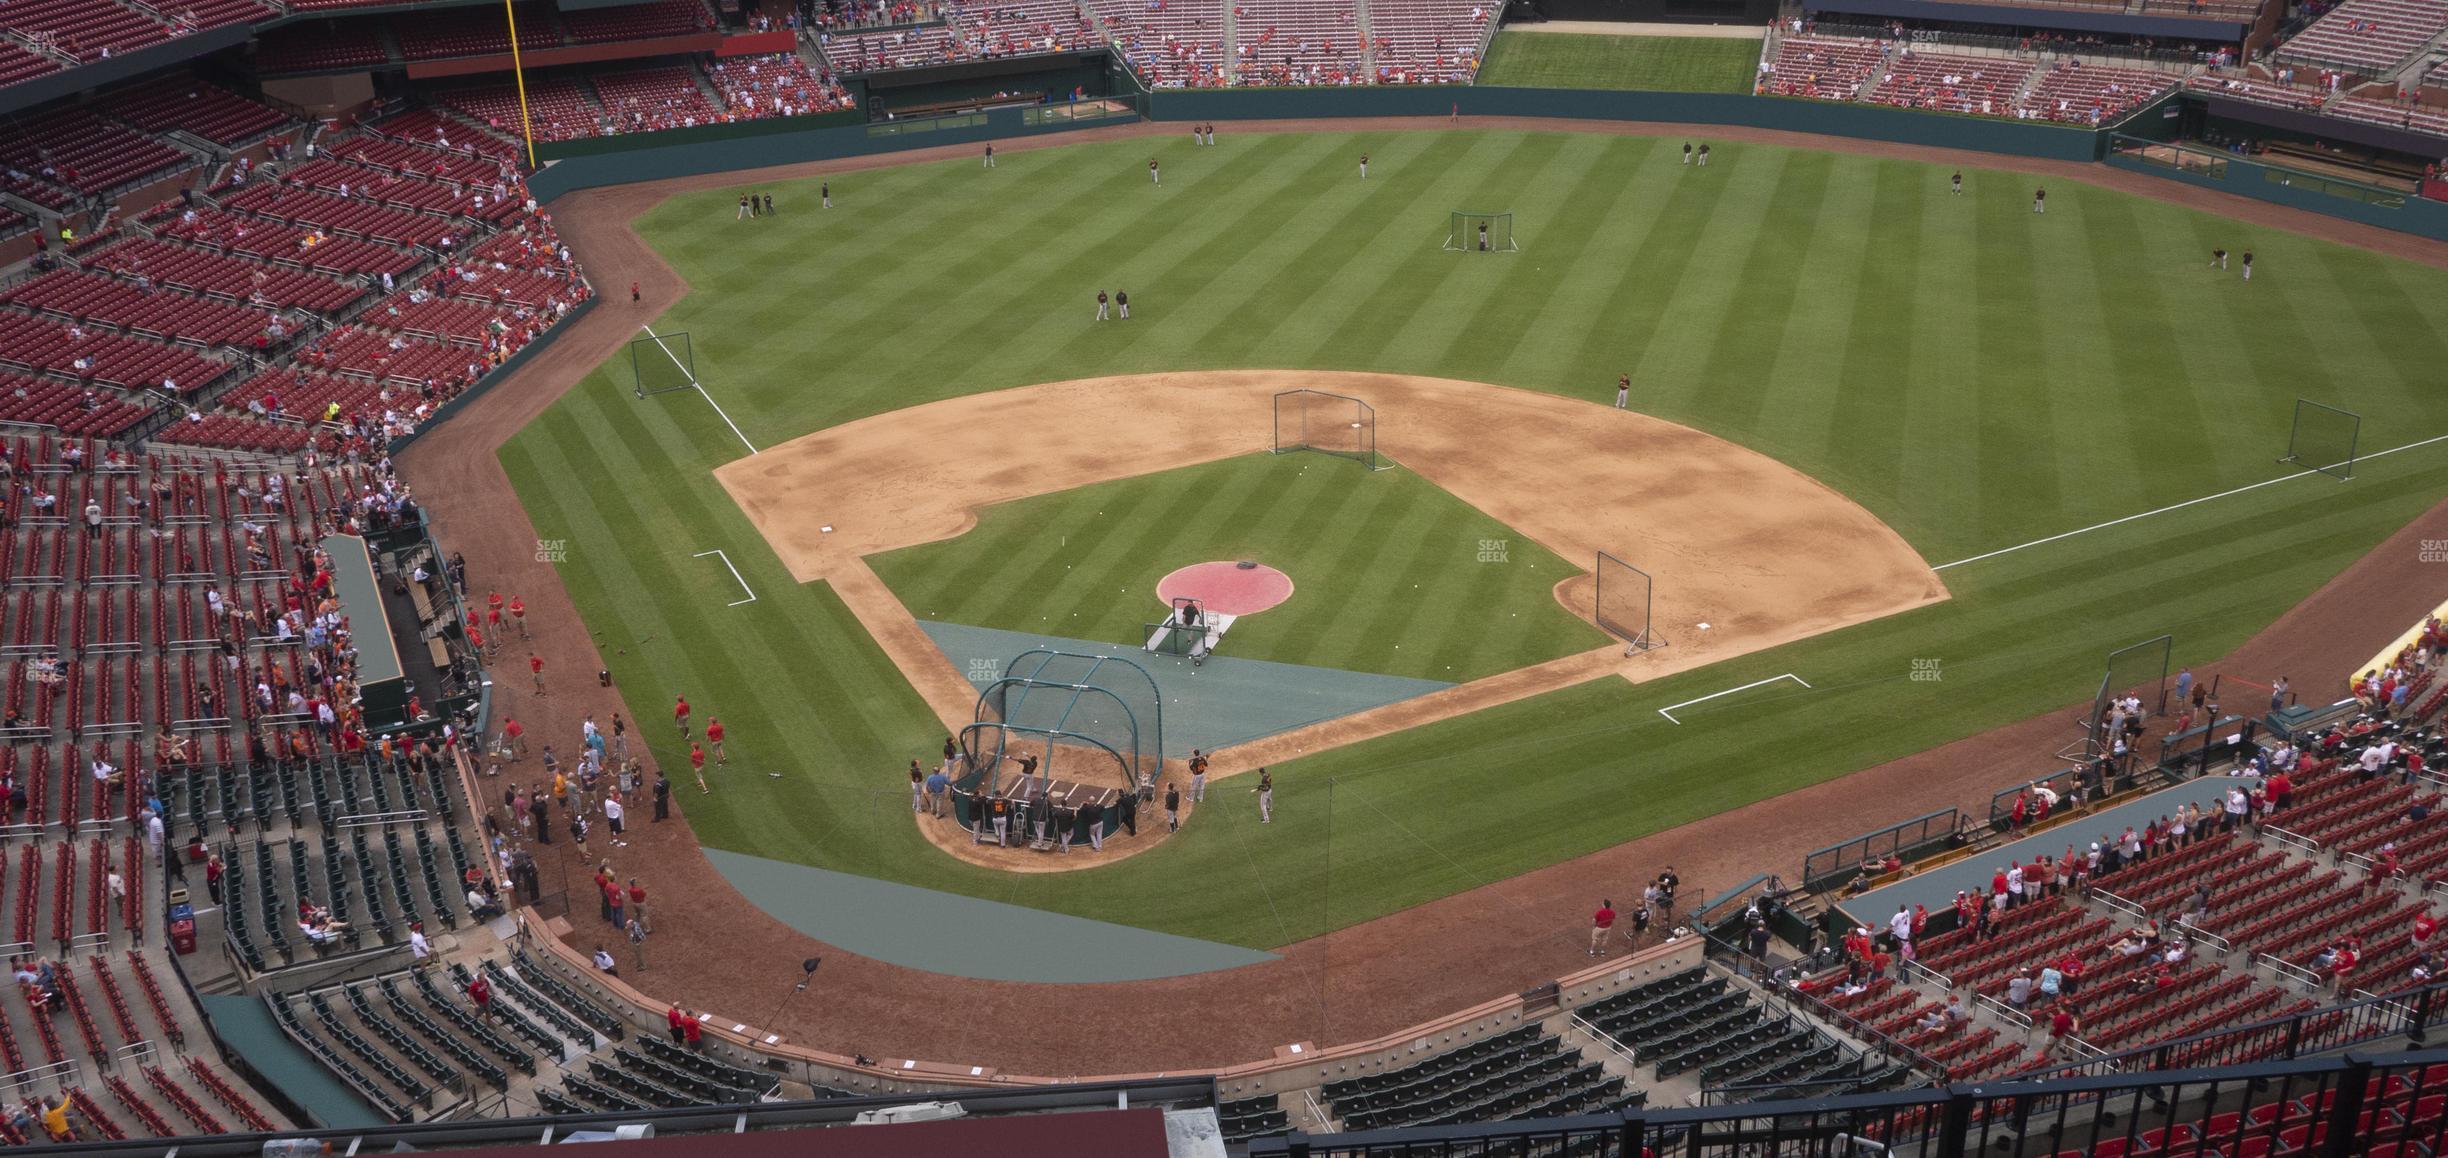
(526, 126)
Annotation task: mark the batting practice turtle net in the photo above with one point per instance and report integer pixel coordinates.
(1088, 719)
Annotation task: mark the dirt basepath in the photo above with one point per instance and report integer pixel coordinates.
(1373, 978)
(1758, 551)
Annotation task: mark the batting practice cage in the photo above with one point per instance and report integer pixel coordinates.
(1480, 233)
(1327, 423)
(1074, 728)
(2140, 669)
(659, 363)
(1626, 595)
(2323, 438)
(1188, 631)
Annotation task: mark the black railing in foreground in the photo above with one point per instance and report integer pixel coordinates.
(2325, 1029)
(2332, 1107)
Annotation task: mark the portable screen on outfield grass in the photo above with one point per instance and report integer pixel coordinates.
(2323, 438)
(662, 362)
(1481, 233)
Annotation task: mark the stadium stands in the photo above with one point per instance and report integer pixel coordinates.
(323, 45)
(2088, 94)
(448, 32)
(72, 151)
(1427, 41)
(86, 29)
(2372, 37)
(1956, 84)
(636, 21)
(196, 108)
(1176, 44)
(774, 85)
(1287, 42)
(2237, 86)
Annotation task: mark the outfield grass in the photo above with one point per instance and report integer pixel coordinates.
(1973, 373)
(1084, 564)
(1532, 59)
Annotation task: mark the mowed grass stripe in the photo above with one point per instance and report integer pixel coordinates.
(1382, 563)
(1949, 359)
(1687, 301)
(2165, 436)
(1767, 265)
(1241, 249)
(2010, 397)
(1573, 194)
(1377, 242)
(1806, 398)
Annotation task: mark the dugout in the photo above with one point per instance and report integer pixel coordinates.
(382, 680)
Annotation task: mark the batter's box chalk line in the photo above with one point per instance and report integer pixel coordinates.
(735, 576)
(1669, 710)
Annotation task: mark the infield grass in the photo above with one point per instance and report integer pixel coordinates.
(1390, 574)
(1973, 373)
(1533, 59)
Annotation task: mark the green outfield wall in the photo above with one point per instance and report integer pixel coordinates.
(723, 148)
(1868, 122)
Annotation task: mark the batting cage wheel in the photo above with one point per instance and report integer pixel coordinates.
(1480, 233)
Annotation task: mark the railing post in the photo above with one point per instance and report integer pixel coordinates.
(1631, 1136)
(2347, 1108)
(2294, 1036)
(2422, 1018)
(1296, 1144)
(1954, 1122)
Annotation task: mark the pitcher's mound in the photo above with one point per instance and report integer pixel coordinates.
(1229, 588)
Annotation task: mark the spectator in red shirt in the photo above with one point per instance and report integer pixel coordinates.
(1600, 922)
(2281, 790)
(2064, 1023)
(693, 1031)
(677, 1019)
(480, 991)
(2425, 927)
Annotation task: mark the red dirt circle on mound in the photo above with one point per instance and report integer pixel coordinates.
(1226, 587)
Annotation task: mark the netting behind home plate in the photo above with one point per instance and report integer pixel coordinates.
(1086, 718)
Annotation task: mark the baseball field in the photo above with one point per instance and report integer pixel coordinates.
(1968, 375)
